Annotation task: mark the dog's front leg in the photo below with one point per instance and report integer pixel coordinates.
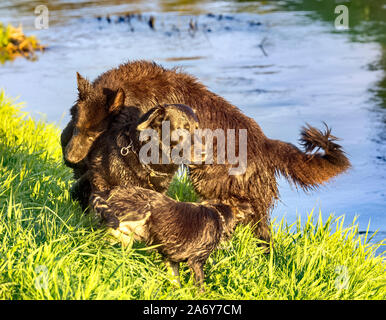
(81, 190)
(100, 191)
(198, 269)
(102, 210)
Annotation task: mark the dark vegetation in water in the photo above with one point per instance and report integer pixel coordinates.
(191, 25)
(14, 43)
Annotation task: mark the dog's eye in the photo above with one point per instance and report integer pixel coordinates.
(186, 127)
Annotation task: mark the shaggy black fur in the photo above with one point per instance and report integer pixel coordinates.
(145, 85)
(115, 161)
(185, 231)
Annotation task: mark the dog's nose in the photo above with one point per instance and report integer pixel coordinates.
(72, 155)
(71, 159)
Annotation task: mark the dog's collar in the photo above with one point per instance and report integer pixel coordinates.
(125, 150)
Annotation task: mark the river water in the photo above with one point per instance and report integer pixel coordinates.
(282, 63)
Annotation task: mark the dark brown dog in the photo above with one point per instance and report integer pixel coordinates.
(89, 119)
(184, 231)
(116, 159)
(146, 85)
(101, 118)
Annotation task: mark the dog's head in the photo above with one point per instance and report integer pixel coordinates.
(174, 125)
(89, 118)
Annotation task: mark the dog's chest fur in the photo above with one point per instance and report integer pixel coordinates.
(107, 161)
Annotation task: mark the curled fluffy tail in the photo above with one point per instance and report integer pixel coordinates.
(309, 169)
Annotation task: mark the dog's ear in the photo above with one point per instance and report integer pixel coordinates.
(118, 101)
(152, 119)
(84, 86)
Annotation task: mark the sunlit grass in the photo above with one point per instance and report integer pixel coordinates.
(14, 43)
(50, 250)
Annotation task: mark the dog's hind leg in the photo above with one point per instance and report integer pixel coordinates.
(263, 232)
(81, 191)
(260, 223)
(174, 269)
(198, 269)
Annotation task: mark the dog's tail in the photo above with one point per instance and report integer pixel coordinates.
(307, 169)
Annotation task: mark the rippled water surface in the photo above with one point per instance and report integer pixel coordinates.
(282, 63)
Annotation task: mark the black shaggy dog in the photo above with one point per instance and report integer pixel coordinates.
(184, 231)
(115, 158)
(147, 84)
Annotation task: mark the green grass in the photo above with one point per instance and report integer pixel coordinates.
(50, 250)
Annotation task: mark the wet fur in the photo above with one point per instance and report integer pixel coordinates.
(254, 193)
(184, 231)
(108, 168)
